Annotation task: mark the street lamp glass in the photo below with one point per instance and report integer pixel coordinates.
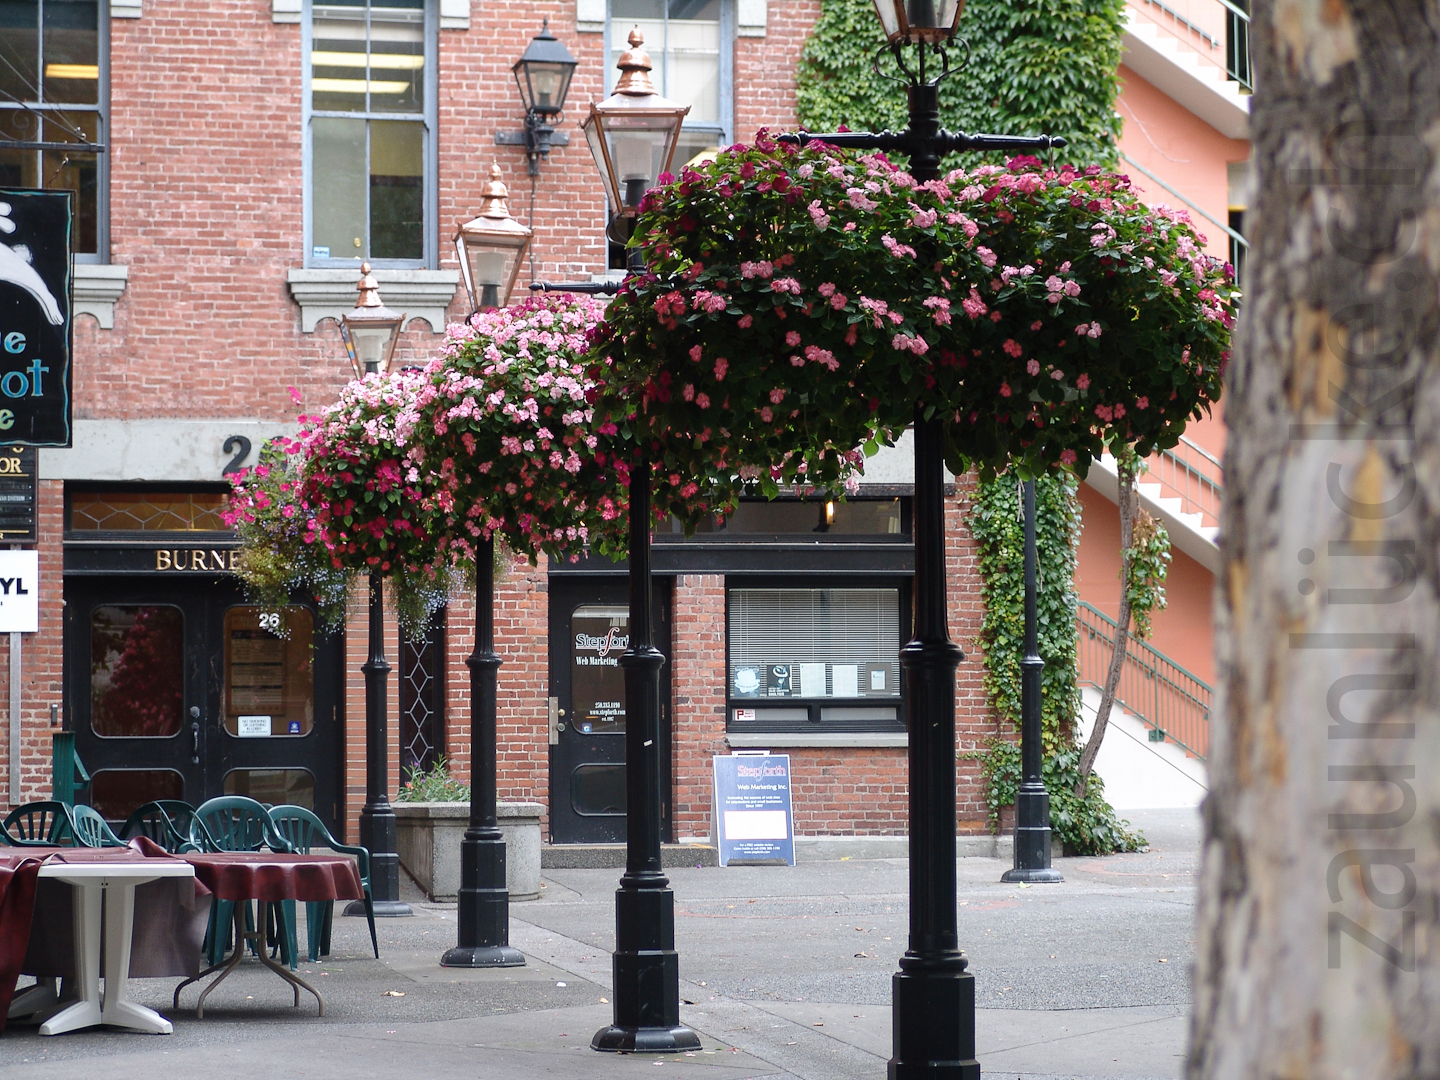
(632, 133)
(370, 330)
(911, 21)
(543, 73)
(491, 247)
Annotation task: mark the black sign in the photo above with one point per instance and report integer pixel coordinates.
(18, 488)
(35, 317)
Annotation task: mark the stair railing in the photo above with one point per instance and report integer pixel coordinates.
(1173, 704)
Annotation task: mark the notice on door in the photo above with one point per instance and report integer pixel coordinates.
(253, 727)
(754, 820)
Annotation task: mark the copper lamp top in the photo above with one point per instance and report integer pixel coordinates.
(634, 65)
(493, 196)
(369, 289)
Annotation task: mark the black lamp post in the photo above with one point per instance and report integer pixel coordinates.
(933, 1025)
(370, 332)
(483, 932)
(491, 248)
(632, 136)
(1032, 802)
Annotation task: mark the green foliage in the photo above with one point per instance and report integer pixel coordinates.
(1086, 826)
(433, 786)
(998, 530)
(1043, 66)
(1147, 562)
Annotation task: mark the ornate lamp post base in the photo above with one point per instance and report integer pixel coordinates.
(933, 1023)
(1032, 838)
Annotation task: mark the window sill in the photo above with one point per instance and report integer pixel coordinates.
(328, 294)
(834, 739)
(97, 287)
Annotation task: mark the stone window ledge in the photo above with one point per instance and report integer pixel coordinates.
(97, 287)
(328, 294)
(839, 738)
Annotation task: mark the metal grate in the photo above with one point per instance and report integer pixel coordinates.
(422, 697)
(1171, 702)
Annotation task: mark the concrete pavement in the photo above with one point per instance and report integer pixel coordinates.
(785, 973)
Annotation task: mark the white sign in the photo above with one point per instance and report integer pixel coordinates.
(253, 727)
(19, 592)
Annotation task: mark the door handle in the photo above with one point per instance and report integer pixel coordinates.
(195, 735)
(555, 714)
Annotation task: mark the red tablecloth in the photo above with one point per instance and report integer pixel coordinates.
(18, 872)
(263, 875)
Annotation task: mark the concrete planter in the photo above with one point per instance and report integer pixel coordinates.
(428, 836)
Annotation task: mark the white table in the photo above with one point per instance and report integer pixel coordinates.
(111, 886)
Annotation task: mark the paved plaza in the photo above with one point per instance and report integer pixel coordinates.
(785, 973)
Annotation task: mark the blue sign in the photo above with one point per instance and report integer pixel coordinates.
(35, 292)
(754, 822)
(294, 727)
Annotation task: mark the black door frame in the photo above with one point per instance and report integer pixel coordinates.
(566, 593)
(203, 600)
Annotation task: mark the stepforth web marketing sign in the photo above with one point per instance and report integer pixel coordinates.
(35, 317)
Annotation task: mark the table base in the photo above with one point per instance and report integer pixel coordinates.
(243, 938)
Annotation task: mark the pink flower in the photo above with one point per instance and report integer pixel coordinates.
(766, 414)
(826, 289)
(1067, 457)
(974, 306)
(849, 226)
(1072, 288)
(689, 392)
(1012, 347)
(703, 400)
(818, 215)
(776, 396)
(896, 248)
(787, 285)
(987, 257)
(721, 367)
(1005, 390)
(762, 269)
(1104, 412)
(905, 343)
(1033, 367)
(695, 353)
(792, 338)
(822, 356)
(746, 321)
(1057, 375)
(838, 301)
(941, 307)
(1142, 402)
(858, 201)
(1036, 325)
(922, 219)
(1083, 382)
(797, 361)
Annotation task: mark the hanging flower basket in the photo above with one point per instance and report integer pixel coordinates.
(803, 301)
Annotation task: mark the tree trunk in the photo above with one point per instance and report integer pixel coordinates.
(1128, 499)
(1318, 954)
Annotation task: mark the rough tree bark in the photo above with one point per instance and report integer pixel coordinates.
(1128, 500)
(1318, 954)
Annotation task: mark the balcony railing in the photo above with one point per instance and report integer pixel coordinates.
(1172, 703)
(1237, 41)
(1192, 473)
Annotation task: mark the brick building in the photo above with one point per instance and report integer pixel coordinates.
(237, 159)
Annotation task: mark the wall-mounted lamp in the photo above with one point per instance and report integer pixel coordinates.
(543, 75)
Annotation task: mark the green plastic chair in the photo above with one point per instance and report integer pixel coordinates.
(91, 829)
(40, 824)
(304, 831)
(237, 823)
(155, 821)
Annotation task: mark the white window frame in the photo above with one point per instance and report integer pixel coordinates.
(431, 185)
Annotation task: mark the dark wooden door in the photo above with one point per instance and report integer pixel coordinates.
(589, 631)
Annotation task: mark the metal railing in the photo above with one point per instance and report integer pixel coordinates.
(1192, 473)
(1172, 703)
(1237, 41)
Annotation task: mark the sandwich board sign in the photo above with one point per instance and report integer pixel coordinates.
(753, 814)
(35, 288)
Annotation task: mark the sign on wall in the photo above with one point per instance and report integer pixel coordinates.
(35, 237)
(752, 808)
(18, 490)
(19, 592)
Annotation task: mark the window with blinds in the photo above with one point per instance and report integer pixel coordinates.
(814, 645)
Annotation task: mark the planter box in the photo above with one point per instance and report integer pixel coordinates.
(428, 836)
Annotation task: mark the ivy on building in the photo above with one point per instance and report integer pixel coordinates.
(1043, 66)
